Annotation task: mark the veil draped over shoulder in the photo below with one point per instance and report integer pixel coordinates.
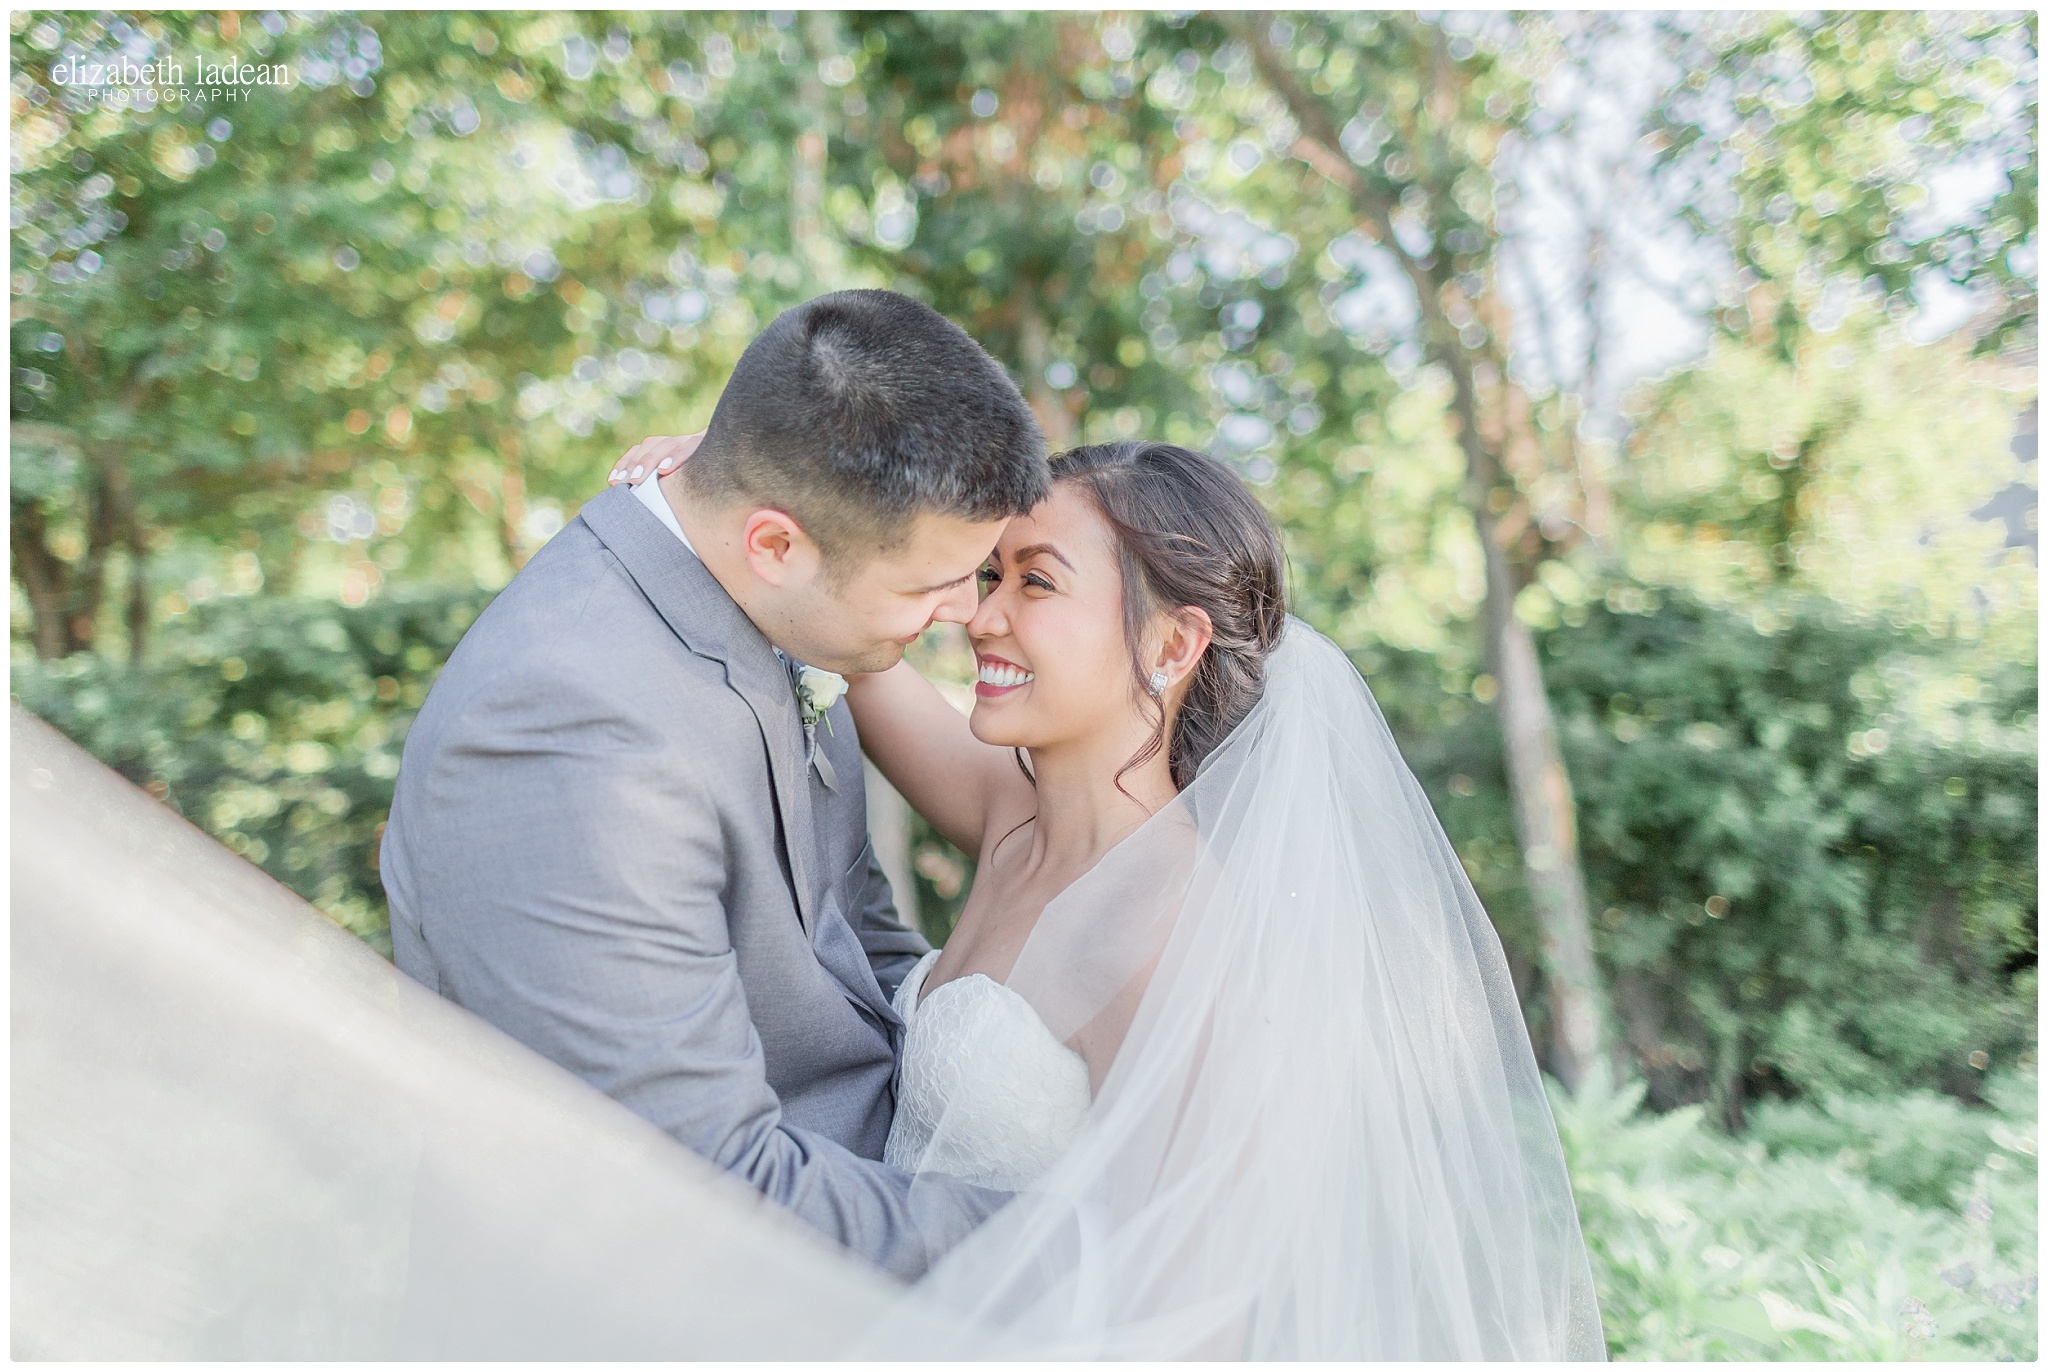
(1321, 1132)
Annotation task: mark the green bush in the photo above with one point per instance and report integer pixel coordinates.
(273, 723)
(1849, 1229)
(1920, 1146)
(1816, 845)
(1810, 851)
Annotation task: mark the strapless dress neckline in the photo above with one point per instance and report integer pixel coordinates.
(984, 1091)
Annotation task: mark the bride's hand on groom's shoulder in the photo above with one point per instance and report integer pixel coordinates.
(653, 457)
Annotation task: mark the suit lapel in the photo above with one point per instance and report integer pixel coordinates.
(705, 618)
(766, 689)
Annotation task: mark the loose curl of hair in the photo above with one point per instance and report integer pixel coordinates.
(1188, 533)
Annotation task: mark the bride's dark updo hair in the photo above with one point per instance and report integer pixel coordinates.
(1188, 533)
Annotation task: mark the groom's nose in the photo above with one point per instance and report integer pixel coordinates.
(957, 605)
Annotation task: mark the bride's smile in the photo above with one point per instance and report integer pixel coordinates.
(998, 678)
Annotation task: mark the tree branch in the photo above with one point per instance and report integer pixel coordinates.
(1318, 128)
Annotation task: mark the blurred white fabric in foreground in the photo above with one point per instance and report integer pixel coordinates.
(239, 1133)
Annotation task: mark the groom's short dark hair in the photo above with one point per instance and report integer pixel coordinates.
(860, 410)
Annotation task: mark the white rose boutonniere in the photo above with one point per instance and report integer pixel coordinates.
(817, 691)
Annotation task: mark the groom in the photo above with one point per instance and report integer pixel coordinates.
(624, 836)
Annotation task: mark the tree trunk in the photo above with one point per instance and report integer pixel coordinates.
(1546, 823)
(1639, 1033)
(64, 598)
(138, 597)
(89, 580)
(124, 526)
(42, 574)
(512, 513)
(1734, 1103)
(1034, 348)
(807, 172)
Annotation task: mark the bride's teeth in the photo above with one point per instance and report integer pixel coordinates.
(993, 675)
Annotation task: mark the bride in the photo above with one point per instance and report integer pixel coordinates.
(1222, 1008)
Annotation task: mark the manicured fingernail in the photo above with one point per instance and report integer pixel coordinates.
(637, 472)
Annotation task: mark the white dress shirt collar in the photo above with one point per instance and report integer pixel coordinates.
(649, 493)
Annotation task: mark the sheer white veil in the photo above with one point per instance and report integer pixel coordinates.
(1323, 1133)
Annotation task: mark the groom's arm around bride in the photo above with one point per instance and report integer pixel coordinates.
(620, 837)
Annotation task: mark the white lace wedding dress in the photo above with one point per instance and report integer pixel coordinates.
(977, 1057)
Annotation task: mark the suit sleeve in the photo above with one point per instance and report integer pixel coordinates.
(580, 909)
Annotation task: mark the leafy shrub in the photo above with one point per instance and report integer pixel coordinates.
(1811, 852)
(1817, 846)
(1852, 1229)
(273, 723)
(1919, 1145)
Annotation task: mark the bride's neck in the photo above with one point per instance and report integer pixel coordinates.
(1082, 813)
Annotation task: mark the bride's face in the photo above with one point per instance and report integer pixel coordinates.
(1049, 634)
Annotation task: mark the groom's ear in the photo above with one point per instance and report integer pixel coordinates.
(778, 550)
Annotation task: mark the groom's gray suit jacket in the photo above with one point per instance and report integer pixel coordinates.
(606, 841)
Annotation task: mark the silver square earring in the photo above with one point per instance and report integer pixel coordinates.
(1158, 683)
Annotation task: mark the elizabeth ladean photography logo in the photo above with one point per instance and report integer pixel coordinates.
(164, 78)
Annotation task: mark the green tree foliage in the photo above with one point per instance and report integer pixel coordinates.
(1813, 144)
(1040, 170)
(1747, 481)
(418, 259)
